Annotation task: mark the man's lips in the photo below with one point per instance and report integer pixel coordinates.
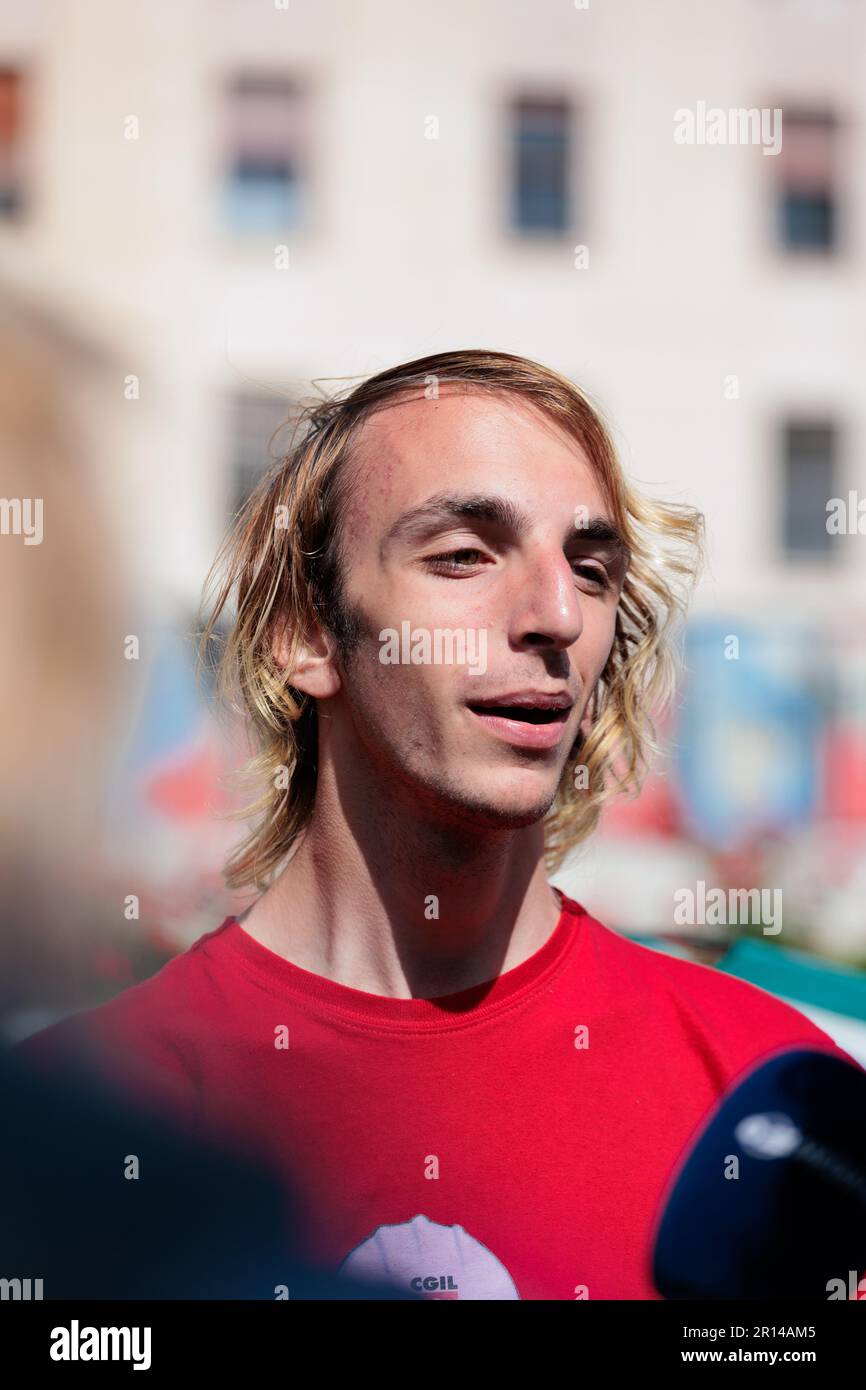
(528, 719)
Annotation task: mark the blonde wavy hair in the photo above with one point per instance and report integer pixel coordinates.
(282, 563)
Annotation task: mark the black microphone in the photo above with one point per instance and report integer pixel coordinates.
(770, 1199)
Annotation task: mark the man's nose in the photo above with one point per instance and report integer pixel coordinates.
(547, 610)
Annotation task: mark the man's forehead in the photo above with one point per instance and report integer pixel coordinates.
(410, 443)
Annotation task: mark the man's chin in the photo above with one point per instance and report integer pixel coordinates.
(500, 813)
(499, 818)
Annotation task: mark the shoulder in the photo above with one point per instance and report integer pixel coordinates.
(735, 1020)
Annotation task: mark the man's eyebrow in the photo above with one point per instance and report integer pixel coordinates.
(599, 528)
(445, 507)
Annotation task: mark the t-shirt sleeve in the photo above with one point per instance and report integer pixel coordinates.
(747, 1024)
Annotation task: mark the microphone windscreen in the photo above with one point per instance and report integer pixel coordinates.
(770, 1200)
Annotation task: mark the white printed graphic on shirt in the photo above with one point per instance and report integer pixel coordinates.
(434, 1261)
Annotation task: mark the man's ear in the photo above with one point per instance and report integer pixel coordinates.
(313, 666)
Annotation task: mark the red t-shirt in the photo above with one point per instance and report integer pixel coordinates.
(512, 1140)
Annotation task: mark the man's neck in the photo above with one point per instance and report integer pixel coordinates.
(382, 899)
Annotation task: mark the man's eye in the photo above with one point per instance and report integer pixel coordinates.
(594, 574)
(450, 559)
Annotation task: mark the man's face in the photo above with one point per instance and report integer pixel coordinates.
(462, 521)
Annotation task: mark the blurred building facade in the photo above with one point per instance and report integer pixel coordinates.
(244, 197)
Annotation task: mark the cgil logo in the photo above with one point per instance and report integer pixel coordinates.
(430, 1283)
(393, 1253)
(76, 1343)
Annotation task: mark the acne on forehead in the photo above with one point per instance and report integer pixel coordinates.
(380, 460)
(374, 467)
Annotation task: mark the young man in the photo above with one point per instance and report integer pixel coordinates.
(453, 621)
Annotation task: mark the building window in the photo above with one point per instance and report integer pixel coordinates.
(255, 416)
(810, 481)
(11, 143)
(542, 138)
(266, 138)
(807, 197)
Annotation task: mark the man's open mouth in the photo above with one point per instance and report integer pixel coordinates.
(529, 714)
